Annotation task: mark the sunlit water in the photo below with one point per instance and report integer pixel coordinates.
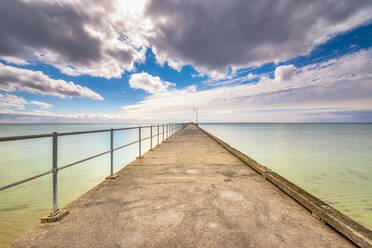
(22, 206)
(331, 161)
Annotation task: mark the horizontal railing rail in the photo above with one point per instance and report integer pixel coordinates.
(166, 131)
(24, 137)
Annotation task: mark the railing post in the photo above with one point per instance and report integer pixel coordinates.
(112, 151)
(112, 176)
(158, 134)
(56, 214)
(151, 138)
(163, 132)
(139, 142)
(55, 173)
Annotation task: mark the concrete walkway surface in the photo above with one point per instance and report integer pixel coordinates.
(188, 192)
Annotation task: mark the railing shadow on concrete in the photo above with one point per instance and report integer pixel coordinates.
(167, 130)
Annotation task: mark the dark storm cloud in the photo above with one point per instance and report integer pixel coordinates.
(77, 37)
(215, 34)
(101, 39)
(25, 27)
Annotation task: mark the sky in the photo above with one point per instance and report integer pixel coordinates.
(152, 61)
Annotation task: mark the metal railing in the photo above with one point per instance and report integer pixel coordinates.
(167, 131)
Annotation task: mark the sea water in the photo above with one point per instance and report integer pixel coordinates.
(331, 161)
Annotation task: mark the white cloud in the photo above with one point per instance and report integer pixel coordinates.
(38, 116)
(285, 73)
(149, 83)
(13, 101)
(9, 100)
(14, 60)
(41, 104)
(16, 79)
(338, 85)
(339, 89)
(231, 80)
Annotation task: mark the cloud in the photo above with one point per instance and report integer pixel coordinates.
(310, 115)
(338, 85)
(41, 116)
(149, 83)
(9, 100)
(41, 104)
(77, 37)
(13, 101)
(213, 35)
(336, 90)
(285, 73)
(16, 79)
(230, 80)
(107, 38)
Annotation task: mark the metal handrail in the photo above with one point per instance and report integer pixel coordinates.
(167, 130)
(36, 136)
(84, 132)
(83, 160)
(25, 180)
(117, 148)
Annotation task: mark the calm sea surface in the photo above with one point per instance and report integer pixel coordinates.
(22, 206)
(331, 161)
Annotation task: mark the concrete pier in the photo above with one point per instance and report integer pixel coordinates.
(187, 192)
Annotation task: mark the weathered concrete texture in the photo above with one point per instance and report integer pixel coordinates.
(189, 192)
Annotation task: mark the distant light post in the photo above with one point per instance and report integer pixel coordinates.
(196, 114)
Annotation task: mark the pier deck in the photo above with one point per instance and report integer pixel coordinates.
(188, 192)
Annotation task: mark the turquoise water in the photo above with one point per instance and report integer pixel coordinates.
(22, 206)
(331, 161)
